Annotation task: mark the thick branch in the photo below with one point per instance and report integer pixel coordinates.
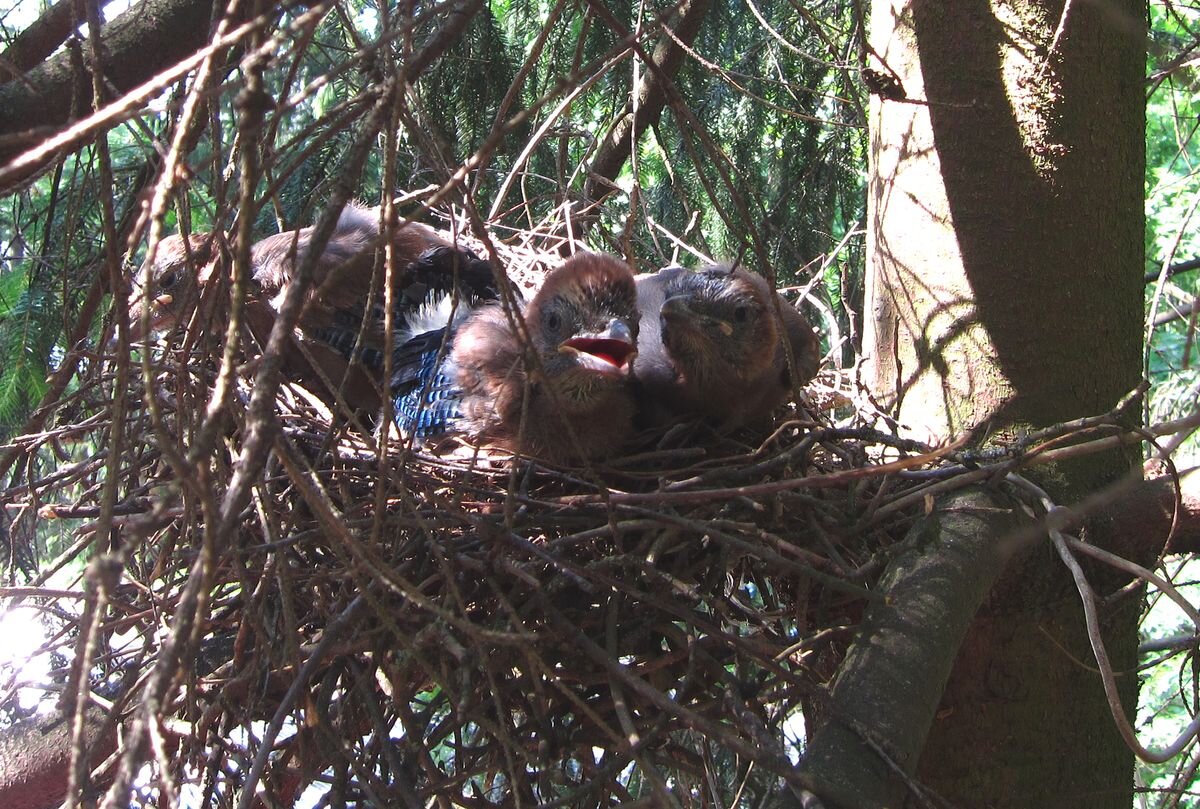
(36, 755)
(889, 687)
(455, 18)
(39, 40)
(149, 37)
(1176, 313)
(1173, 269)
(1138, 522)
(651, 99)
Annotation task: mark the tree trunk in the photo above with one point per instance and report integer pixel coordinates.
(1006, 243)
(1006, 214)
(887, 690)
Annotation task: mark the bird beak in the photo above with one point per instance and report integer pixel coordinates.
(157, 318)
(609, 352)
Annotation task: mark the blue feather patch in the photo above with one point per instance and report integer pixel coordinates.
(426, 395)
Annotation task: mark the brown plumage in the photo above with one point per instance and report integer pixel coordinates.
(578, 397)
(336, 306)
(180, 270)
(712, 345)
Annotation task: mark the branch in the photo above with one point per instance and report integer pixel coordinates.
(57, 383)
(146, 39)
(36, 757)
(890, 685)
(1176, 313)
(1173, 269)
(1139, 520)
(455, 18)
(651, 99)
(39, 40)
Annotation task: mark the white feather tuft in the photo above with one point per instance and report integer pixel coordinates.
(434, 314)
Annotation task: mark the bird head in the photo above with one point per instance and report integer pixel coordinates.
(717, 323)
(172, 281)
(583, 323)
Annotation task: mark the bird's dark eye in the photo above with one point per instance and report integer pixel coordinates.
(741, 314)
(553, 321)
(168, 280)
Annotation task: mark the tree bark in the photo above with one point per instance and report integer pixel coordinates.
(1021, 170)
(891, 682)
(36, 754)
(1006, 256)
(146, 39)
(1141, 519)
(39, 40)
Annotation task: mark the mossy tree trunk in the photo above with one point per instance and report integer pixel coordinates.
(1006, 243)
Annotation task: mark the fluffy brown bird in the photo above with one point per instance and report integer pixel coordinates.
(576, 402)
(180, 270)
(718, 351)
(336, 309)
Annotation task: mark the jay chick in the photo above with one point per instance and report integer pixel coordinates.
(335, 309)
(718, 350)
(572, 400)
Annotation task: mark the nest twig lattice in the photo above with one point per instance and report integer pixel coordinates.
(401, 629)
(467, 630)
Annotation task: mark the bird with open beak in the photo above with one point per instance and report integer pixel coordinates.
(566, 394)
(713, 345)
(343, 307)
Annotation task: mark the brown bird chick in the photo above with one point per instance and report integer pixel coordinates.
(181, 268)
(718, 351)
(336, 306)
(335, 310)
(576, 402)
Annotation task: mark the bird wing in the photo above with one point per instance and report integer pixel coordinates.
(425, 389)
(427, 382)
(346, 298)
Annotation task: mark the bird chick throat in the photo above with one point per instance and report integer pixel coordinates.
(602, 353)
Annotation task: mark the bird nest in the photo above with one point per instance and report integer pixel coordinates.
(395, 627)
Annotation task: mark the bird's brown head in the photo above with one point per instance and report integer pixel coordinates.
(170, 284)
(584, 323)
(717, 323)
